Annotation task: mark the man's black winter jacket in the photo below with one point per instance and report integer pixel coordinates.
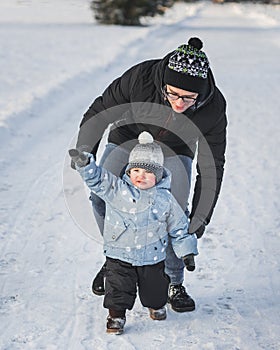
(134, 102)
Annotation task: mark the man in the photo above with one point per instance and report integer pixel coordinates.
(177, 101)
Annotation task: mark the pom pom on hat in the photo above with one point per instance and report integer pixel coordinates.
(188, 67)
(196, 43)
(147, 155)
(145, 137)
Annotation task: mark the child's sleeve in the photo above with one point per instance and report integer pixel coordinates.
(99, 180)
(183, 243)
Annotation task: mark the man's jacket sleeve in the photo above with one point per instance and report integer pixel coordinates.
(98, 117)
(210, 170)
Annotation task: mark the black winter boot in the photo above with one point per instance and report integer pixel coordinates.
(179, 299)
(116, 321)
(158, 314)
(98, 282)
(115, 325)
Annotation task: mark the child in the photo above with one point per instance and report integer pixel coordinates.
(141, 216)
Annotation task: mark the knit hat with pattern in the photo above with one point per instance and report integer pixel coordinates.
(188, 67)
(147, 155)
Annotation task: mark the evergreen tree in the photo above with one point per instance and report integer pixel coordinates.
(126, 12)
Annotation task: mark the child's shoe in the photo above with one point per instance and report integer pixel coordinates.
(159, 314)
(115, 324)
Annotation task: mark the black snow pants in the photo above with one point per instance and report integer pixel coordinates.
(122, 280)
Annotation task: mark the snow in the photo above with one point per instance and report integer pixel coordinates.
(54, 61)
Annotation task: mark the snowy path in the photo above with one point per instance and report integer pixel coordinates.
(47, 263)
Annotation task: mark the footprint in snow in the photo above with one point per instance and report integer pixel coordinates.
(9, 264)
(9, 302)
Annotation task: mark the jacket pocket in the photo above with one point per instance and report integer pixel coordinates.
(112, 232)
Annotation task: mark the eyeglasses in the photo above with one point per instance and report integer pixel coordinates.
(173, 97)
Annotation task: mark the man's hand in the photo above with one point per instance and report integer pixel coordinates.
(189, 262)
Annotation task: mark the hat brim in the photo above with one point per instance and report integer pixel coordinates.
(156, 169)
(184, 81)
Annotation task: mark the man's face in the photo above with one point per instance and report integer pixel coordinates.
(180, 100)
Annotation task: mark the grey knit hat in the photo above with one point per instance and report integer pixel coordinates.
(188, 67)
(147, 155)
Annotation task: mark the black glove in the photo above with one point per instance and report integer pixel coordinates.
(78, 157)
(82, 158)
(197, 227)
(189, 262)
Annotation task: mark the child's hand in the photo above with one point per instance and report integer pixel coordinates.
(78, 158)
(189, 262)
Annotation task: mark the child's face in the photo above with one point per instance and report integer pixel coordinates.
(142, 178)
